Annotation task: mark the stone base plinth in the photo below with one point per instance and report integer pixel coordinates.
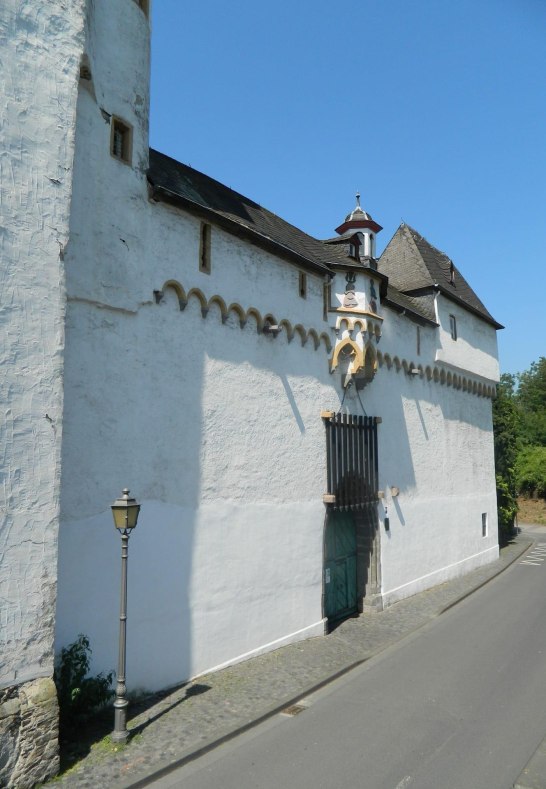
(29, 728)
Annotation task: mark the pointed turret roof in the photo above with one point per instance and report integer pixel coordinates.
(415, 267)
(358, 219)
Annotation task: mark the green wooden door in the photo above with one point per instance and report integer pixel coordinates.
(340, 565)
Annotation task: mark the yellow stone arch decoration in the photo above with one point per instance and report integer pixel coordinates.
(344, 347)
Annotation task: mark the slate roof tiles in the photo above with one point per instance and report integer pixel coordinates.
(413, 265)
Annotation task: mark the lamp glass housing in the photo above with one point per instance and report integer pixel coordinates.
(125, 511)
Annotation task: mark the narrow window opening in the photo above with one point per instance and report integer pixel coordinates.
(325, 300)
(121, 141)
(484, 524)
(371, 245)
(302, 285)
(418, 341)
(453, 327)
(204, 249)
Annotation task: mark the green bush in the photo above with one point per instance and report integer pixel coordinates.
(531, 471)
(79, 695)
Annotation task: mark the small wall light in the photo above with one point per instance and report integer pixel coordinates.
(272, 328)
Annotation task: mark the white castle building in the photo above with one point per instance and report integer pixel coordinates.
(307, 427)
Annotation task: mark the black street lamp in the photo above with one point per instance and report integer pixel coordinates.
(125, 511)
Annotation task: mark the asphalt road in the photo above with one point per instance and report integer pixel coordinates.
(461, 704)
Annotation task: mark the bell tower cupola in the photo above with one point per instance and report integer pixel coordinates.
(360, 224)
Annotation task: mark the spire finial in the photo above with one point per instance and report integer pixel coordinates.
(358, 199)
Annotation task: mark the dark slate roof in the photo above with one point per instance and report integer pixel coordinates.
(181, 184)
(421, 306)
(416, 268)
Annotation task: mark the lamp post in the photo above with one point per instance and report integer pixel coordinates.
(125, 511)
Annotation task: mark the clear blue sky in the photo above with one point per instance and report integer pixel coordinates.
(435, 110)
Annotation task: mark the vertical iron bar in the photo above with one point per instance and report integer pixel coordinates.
(355, 462)
(370, 459)
(343, 481)
(335, 486)
(328, 458)
(365, 469)
(350, 466)
(360, 462)
(348, 448)
(375, 459)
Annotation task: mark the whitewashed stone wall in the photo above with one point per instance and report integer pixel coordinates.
(218, 431)
(216, 428)
(474, 350)
(435, 447)
(40, 46)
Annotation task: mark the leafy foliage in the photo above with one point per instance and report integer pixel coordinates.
(78, 694)
(531, 471)
(506, 429)
(531, 402)
(519, 423)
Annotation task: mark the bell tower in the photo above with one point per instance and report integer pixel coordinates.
(359, 222)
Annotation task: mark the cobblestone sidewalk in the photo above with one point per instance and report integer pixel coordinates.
(214, 707)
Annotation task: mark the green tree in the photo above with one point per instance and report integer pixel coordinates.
(531, 402)
(506, 427)
(531, 471)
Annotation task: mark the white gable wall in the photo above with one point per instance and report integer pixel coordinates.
(475, 349)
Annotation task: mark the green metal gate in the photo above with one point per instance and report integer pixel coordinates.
(340, 598)
(352, 464)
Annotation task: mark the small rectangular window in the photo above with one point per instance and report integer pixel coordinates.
(302, 285)
(453, 327)
(121, 142)
(418, 341)
(484, 524)
(204, 249)
(325, 300)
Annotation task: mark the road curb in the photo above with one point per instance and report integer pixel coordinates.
(192, 753)
(525, 548)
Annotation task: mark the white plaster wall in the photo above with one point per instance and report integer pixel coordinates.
(475, 348)
(218, 432)
(362, 292)
(240, 273)
(105, 258)
(436, 446)
(217, 429)
(40, 47)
